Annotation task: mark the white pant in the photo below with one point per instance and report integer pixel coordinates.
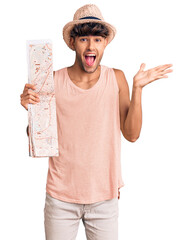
(61, 219)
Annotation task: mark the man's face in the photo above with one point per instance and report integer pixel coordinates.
(89, 51)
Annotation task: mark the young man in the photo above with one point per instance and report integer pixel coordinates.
(93, 108)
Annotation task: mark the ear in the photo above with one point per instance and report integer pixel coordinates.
(72, 43)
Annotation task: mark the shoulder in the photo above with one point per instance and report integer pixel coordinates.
(121, 79)
(58, 71)
(118, 72)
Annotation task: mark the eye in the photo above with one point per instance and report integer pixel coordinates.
(83, 39)
(98, 40)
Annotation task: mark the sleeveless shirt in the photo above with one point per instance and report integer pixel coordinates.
(88, 168)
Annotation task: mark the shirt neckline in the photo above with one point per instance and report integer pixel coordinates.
(81, 89)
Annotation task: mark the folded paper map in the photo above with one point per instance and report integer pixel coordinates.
(43, 137)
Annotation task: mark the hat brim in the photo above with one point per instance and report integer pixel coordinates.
(69, 26)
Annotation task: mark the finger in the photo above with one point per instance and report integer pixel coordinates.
(32, 101)
(32, 97)
(28, 85)
(162, 72)
(142, 67)
(155, 69)
(158, 67)
(37, 99)
(29, 98)
(167, 71)
(25, 102)
(30, 92)
(162, 76)
(163, 67)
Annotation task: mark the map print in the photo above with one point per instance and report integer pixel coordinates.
(43, 137)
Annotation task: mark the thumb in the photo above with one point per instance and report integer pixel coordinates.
(142, 67)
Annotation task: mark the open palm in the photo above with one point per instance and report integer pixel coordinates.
(143, 78)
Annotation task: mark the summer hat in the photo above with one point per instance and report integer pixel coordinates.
(87, 13)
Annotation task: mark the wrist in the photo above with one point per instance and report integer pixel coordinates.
(136, 85)
(137, 88)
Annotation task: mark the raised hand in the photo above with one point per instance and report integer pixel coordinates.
(142, 78)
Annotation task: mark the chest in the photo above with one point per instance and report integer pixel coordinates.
(85, 85)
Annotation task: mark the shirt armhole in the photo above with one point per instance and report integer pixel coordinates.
(115, 80)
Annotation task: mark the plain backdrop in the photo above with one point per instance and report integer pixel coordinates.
(156, 201)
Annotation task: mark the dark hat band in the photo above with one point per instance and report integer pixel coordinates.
(90, 17)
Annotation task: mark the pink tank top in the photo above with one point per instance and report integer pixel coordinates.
(88, 168)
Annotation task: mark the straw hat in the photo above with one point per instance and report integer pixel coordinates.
(87, 13)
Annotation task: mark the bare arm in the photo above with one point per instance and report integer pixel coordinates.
(130, 111)
(133, 121)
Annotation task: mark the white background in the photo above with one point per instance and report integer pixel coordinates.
(157, 199)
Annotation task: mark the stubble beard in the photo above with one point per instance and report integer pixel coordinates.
(81, 64)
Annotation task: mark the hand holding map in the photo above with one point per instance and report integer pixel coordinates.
(43, 137)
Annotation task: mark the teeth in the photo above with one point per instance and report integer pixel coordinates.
(90, 54)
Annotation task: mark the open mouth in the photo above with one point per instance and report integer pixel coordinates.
(90, 59)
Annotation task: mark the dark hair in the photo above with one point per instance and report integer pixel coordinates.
(90, 28)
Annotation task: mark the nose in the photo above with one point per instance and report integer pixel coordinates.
(90, 45)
